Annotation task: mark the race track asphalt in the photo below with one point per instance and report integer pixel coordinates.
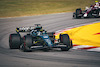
(53, 58)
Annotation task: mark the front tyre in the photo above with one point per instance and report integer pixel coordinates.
(77, 13)
(14, 41)
(27, 43)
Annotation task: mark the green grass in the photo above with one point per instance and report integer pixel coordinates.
(15, 8)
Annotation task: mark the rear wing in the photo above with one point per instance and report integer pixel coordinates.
(24, 29)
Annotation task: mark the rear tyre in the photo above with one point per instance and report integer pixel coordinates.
(14, 41)
(27, 43)
(51, 35)
(78, 12)
(66, 41)
(61, 40)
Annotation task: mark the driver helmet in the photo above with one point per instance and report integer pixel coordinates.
(38, 27)
(96, 1)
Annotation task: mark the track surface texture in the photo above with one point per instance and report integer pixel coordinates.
(53, 58)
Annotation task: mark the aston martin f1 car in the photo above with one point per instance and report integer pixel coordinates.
(88, 13)
(37, 38)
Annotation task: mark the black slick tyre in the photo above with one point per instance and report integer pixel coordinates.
(27, 42)
(78, 12)
(14, 41)
(66, 41)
